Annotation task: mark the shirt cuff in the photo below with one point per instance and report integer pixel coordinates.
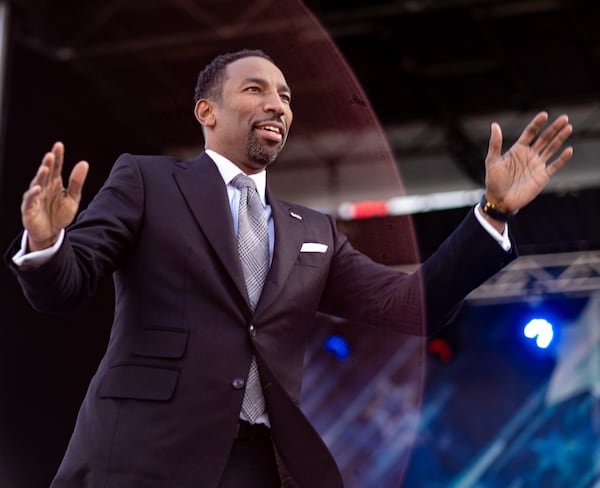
(35, 259)
(502, 239)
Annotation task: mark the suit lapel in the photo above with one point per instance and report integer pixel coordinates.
(204, 191)
(289, 235)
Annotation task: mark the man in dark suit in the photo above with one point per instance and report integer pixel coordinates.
(165, 407)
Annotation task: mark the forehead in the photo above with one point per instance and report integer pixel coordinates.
(254, 67)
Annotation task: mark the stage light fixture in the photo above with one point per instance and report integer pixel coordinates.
(441, 348)
(338, 346)
(541, 330)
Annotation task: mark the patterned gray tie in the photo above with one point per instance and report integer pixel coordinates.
(253, 247)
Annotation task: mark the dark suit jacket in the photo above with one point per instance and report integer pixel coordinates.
(163, 407)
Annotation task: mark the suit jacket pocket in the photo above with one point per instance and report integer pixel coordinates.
(138, 382)
(313, 259)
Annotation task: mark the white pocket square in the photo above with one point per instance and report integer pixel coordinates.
(313, 247)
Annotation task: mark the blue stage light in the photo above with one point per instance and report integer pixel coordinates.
(541, 330)
(338, 346)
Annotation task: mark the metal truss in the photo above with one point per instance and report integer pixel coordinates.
(538, 276)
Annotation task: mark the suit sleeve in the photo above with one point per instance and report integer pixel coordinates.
(94, 246)
(419, 303)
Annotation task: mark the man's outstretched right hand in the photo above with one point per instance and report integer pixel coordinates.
(47, 206)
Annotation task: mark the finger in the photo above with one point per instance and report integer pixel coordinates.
(532, 130)
(495, 145)
(77, 179)
(548, 135)
(556, 142)
(559, 162)
(41, 175)
(30, 197)
(59, 151)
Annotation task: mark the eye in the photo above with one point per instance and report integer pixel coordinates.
(252, 88)
(286, 98)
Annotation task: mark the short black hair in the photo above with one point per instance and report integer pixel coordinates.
(210, 79)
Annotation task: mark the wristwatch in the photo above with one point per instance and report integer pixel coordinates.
(490, 209)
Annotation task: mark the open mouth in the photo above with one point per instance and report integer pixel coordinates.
(271, 132)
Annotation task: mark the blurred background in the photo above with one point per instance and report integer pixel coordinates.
(393, 102)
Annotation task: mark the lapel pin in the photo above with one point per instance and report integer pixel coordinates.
(296, 216)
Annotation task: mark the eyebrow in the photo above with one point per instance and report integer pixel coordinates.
(261, 81)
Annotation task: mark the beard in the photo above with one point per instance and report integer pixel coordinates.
(262, 154)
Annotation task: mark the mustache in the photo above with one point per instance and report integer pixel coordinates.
(278, 120)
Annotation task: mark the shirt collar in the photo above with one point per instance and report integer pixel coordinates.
(230, 170)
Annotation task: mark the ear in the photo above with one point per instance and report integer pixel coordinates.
(204, 112)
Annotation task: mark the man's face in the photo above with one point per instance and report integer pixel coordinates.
(253, 117)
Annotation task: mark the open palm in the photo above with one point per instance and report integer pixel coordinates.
(48, 206)
(516, 177)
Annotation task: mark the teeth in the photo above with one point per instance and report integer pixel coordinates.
(271, 129)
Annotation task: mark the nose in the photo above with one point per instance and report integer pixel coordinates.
(274, 104)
